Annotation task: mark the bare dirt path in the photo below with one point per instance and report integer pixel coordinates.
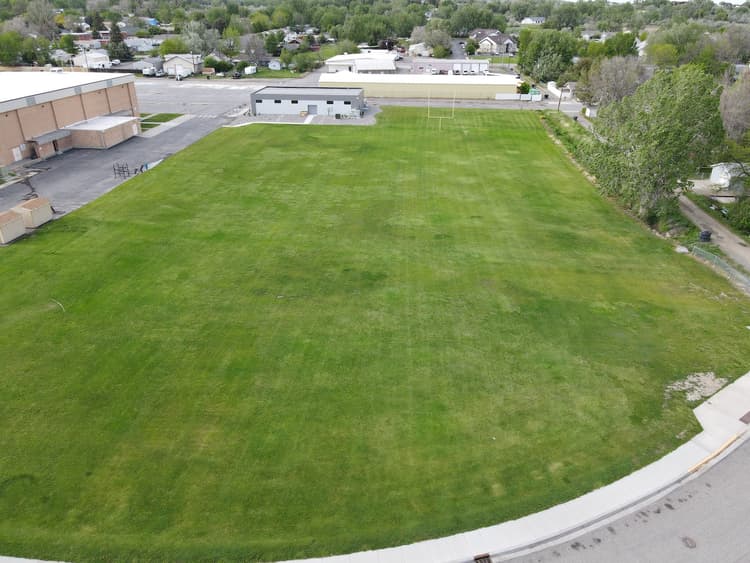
(729, 243)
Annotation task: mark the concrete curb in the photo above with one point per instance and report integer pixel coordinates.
(722, 432)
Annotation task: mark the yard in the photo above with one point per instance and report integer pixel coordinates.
(296, 341)
(268, 73)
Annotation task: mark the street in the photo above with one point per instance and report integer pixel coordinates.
(702, 521)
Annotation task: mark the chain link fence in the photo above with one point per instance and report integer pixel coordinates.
(732, 273)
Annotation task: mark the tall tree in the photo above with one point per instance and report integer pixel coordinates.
(735, 108)
(468, 17)
(192, 36)
(116, 47)
(10, 47)
(656, 138)
(67, 44)
(41, 17)
(545, 53)
(610, 80)
(255, 48)
(171, 46)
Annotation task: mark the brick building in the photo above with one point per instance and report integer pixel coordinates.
(45, 113)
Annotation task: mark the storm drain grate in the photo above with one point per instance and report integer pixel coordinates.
(484, 558)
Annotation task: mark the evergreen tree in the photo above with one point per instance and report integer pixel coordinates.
(116, 47)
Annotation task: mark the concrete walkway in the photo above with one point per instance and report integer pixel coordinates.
(730, 244)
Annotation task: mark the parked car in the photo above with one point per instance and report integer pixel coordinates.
(159, 73)
(150, 71)
(115, 62)
(236, 74)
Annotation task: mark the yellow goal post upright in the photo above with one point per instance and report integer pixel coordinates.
(441, 117)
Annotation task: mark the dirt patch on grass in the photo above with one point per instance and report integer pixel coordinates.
(696, 386)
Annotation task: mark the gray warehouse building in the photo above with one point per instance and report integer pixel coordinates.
(289, 100)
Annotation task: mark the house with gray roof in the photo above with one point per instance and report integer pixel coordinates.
(493, 42)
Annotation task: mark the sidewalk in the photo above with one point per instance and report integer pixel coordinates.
(722, 431)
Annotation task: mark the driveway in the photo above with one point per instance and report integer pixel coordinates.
(730, 244)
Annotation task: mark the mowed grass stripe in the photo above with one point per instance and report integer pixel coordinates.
(296, 341)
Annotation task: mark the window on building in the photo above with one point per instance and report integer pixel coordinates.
(258, 101)
(347, 103)
(295, 101)
(329, 102)
(277, 101)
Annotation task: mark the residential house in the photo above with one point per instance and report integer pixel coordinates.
(140, 44)
(92, 59)
(493, 42)
(533, 20)
(292, 44)
(61, 56)
(274, 64)
(148, 62)
(182, 64)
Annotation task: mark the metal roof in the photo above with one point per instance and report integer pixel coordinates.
(449, 79)
(351, 58)
(308, 92)
(433, 61)
(49, 137)
(23, 89)
(101, 123)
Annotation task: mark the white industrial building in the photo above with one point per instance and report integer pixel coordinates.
(425, 86)
(288, 100)
(372, 62)
(450, 66)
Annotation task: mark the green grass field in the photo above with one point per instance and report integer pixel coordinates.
(268, 73)
(294, 341)
(160, 117)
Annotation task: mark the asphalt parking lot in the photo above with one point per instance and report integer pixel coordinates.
(81, 175)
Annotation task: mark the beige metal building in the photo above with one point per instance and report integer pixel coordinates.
(424, 85)
(11, 226)
(38, 110)
(34, 212)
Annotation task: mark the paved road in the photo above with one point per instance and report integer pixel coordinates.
(703, 521)
(729, 243)
(199, 96)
